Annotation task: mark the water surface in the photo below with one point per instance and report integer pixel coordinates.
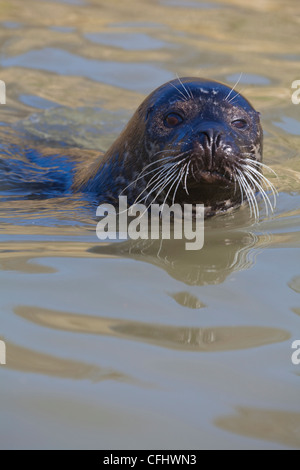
(138, 344)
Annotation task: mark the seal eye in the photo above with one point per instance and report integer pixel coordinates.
(239, 123)
(173, 119)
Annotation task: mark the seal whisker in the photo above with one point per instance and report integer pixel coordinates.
(251, 167)
(161, 189)
(167, 159)
(165, 178)
(237, 178)
(263, 192)
(144, 199)
(140, 176)
(163, 151)
(191, 93)
(158, 177)
(187, 92)
(266, 181)
(179, 178)
(169, 190)
(234, 97)
(163, 172)
(179, 91)
(268, 168)
(237, 82)
(253, 198)
(162, 176)
(247, 196)
(237, 93)
(246, 191)
(186, 175)
(234, 176)
(250, 195)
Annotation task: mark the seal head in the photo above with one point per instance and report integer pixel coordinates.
(192, 140)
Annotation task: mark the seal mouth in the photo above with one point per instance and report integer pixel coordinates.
(215, 177)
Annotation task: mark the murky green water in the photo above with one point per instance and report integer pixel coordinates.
(138, 344)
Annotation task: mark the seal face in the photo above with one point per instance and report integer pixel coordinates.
(192, 141)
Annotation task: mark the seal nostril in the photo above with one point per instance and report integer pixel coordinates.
(218, 140)
(206, 139)
(210, 139)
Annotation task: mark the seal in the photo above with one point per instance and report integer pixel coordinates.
(192, 140)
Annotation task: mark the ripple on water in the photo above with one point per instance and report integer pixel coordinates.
(128, 41)
(273, 425)
(289, 125)
(295, 284)
(135, 76)
(248, 79)
(191, 4)
(165, 336)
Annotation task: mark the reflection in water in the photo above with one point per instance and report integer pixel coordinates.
(9, 262)
(222, 254)
(282, 427)
(295, 284)
(228, 245)
(171, 337)
(187, 300)
(20, 258)
(26, 360)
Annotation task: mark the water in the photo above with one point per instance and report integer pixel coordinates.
(133, 344)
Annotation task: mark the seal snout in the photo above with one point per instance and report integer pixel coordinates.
(211, 152)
